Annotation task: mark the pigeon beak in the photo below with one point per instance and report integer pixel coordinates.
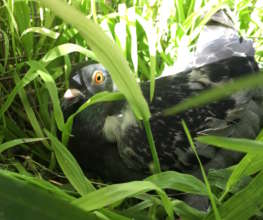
(72, 93)
(72, 99)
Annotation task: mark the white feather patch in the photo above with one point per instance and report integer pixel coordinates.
(116, 125)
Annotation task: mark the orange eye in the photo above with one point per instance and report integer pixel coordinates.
(98, 77)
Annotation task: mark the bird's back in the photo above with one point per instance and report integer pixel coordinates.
(237, 116)
(221, 56)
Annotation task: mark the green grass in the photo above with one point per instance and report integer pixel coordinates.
(39, 178)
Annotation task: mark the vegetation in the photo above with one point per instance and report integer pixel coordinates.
(40, 44)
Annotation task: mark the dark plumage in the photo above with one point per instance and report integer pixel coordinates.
(108, 140)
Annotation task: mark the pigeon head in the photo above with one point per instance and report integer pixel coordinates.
(85, 82)
(89, 80)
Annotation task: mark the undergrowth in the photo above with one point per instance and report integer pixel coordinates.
(40, 44)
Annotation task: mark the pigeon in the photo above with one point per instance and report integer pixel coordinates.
(109, 141)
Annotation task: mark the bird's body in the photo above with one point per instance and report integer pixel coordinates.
(107, 138)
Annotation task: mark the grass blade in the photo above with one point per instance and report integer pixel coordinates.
(6, 47)
(114, 193)
(99, 97)
(41, 30)
(29, 111)
(243, 204)
(211, 196)
(52, 89)
(217, 93)
(236, 144)
(13, 143)
(70, 167)
(178, 181)
(65, 49)
(156, 162)
(29, 76)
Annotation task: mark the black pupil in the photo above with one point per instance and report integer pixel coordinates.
(99, 77)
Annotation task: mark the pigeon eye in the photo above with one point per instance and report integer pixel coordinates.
(98, 77)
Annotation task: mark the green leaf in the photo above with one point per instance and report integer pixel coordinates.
(152, 41)
(121, 28)
(41, 30)
(70, 166)
(52, 89)
(40, 183)
(21, 200)
(108, 215)
(13, 143)
(217, 93)
(178, 181)
(156, 162)
(6, 46)
(22, 15)
(255, 165)
(29, 76)
(29, 111)
(65, 49)
(244, 168)
(187, 212)
(132, 29)
(113, 193)
(210, 194)
(180, 10)
(245, 203)
(237, 174)
(236, 144)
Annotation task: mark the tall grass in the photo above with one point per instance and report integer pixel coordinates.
(39, 177)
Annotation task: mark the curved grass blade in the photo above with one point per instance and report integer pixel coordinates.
(41, 30)
(13, 143)
(211, 196)
(29, 111)
(178, 181)
(147, 126)
(6, 47)
(152, 41)
(255, 165)
(108, 215)
(99, 97)
(132, 29)
(70, 167)
(243, 204)
(29, 76)
(65, 49)
(42, 184)
(187, 212)
(237, 174)
(52, 89)
(211, 95)
(236, 144)
(113, 193)
(242, 169)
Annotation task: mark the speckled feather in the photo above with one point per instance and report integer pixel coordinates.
(228, 117)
